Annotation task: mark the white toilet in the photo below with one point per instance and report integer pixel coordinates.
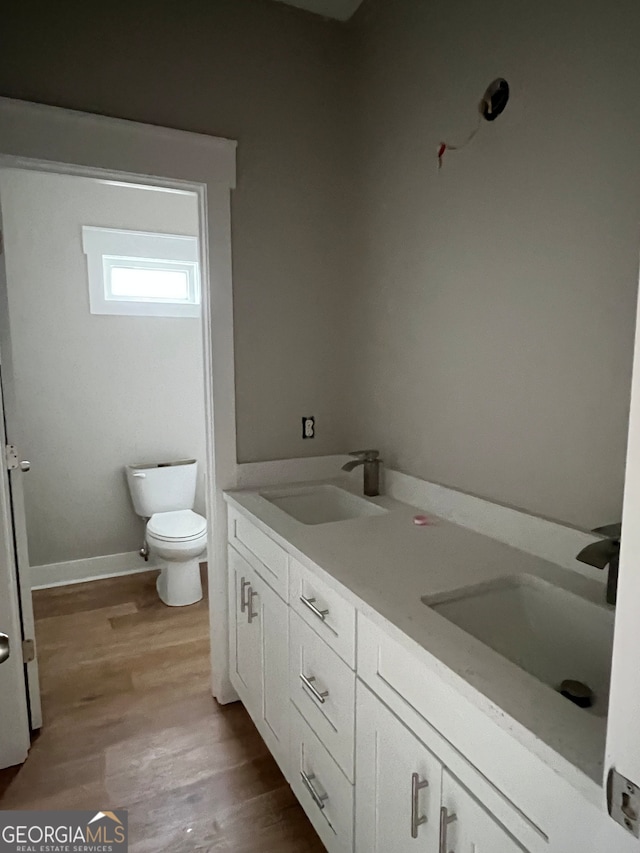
(164, 493)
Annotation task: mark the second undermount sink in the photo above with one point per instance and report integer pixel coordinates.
(551, 633)
(321, 504)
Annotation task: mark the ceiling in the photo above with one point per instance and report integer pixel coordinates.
(341, 10)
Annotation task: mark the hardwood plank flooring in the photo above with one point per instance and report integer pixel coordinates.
(129, 722)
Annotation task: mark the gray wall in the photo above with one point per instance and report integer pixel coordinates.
(497, 297)
(271, 77)
(490, 306)
(94, 392)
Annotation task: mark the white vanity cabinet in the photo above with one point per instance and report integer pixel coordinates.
(383, 752)
(406, 801)
(398, 789)
(259, 652)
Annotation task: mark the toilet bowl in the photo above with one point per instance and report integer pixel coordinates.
(163, 493)
(178, 539)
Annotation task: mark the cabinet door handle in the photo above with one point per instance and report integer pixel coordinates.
(309, 683)
(250, 614)
(311, 604)
(445, 820)
(416, 787)
(318, 799)
(243, 601)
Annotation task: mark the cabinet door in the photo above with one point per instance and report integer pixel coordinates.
(244, 640)
(398, 784)
(259, 654)
(272, 617)
(467, 827)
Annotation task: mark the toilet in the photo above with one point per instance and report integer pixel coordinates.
(163, 493)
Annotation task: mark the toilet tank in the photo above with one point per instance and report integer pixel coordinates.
(162, 486)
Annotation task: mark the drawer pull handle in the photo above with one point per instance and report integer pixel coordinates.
(243, 600)
(416, 787)
(445, 820)
(311, 604)
(309, 683)
(251, 615)
(318, 799)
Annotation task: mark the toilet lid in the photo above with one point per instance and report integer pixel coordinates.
(179, 525)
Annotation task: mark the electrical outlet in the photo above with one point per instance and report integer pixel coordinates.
(308, 427)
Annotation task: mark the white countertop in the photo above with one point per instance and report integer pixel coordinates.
(384, 564)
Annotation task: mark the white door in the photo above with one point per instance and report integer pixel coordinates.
(14, 716)
(398, 784)
(623, 727)
(467, 827)
(16, 495)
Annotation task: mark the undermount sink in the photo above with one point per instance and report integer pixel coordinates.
(549, 632)
(321, 504)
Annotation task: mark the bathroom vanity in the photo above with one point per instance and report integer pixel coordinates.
(406, 677)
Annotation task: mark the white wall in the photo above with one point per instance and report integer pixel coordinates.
(496, 298)
(94, 392)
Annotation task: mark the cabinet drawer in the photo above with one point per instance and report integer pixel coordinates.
(322, 687)
(324, 610)
(269, 560)
(471, 827)
(323, 790)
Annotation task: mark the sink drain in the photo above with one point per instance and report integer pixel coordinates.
(577, 692)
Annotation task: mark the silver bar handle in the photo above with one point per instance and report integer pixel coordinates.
(243, 601)
(445, 820)
(309, 683)
(416, 787)
(251, 615)
(318, 799)
(5, 648)
(311, 604)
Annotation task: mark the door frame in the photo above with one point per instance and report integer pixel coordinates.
(15, 734)
(52, 139)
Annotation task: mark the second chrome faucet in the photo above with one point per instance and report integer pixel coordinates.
(371, 462)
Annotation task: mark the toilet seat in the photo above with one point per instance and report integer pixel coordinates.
(181, 525)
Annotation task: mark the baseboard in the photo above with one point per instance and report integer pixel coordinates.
(89, 569)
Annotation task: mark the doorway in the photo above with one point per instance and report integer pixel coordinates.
(47, 139)
(98, 386)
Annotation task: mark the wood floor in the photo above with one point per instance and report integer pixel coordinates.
(129, 722)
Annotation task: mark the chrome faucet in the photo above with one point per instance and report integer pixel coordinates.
(371, 462)
(605, 552)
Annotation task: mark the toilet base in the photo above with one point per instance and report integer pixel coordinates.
(179, 584)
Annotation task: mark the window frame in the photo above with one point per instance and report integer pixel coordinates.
(108, 248)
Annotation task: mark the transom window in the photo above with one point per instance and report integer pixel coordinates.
(142, 274)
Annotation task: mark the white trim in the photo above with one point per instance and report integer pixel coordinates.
(114, 145)
(89, 569)
(34, 136)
